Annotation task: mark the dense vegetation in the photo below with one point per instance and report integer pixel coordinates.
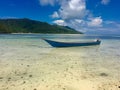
(32, 26)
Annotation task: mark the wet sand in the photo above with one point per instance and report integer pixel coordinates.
(28, 67)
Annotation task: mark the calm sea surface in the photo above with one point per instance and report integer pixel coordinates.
(20, 51)
(109, 47)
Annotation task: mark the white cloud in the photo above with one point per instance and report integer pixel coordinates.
(95, 22)
(72, 12)
(55, 15)
(112, 24)
(78, 20)
(109, 27)
(68, 8)
(105, 2)
(60, 22)
(72, 9)
(75, 14)
(47, 2)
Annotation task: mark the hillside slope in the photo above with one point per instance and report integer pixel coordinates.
(32, 26)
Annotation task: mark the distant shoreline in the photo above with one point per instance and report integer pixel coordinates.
(37, 33)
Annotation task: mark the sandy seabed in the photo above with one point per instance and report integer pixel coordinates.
(76, 68)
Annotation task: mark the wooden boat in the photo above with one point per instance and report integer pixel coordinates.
(71, 44)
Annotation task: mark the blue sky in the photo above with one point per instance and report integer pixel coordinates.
(89, 16)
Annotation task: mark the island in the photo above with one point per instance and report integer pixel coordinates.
(26, 25)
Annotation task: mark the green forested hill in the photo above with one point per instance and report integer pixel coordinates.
(32, 26)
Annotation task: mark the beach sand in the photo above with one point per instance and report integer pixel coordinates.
(25, 68)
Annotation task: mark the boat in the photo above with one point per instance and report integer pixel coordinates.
(72, 44)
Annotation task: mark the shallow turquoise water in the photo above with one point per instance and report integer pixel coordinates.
(88, 62)
(110, 45)
(31, 43)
